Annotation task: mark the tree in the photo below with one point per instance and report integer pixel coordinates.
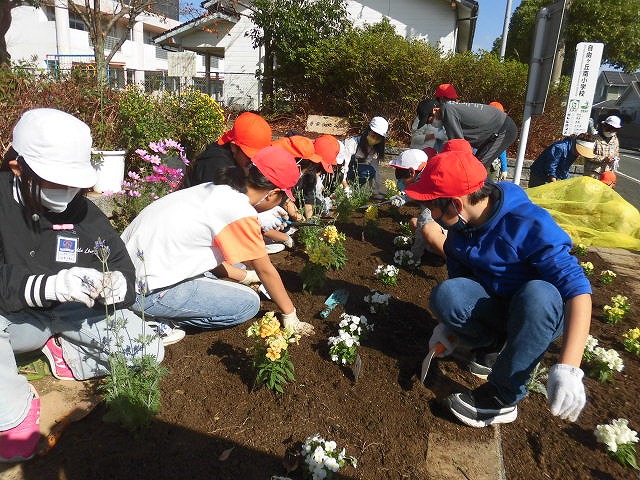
(102, 23)
(5, 22)
(612, 22)
(285, 27)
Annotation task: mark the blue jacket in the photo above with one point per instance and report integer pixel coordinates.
(520, 242)
(556, 160)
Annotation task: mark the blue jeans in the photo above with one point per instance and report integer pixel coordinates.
(530, 320)
(87, 340)
(202, 302)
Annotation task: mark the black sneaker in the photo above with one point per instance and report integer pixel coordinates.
(483, 359)
(481, 407)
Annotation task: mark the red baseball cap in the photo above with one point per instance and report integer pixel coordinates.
(328, 147)
(250, 132)
(447, 175)
(608, 177)
(457, 145)
(446, 90)
(299, 147)
(279, 166)
(497, 105)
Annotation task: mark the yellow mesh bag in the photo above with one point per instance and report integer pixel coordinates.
(591, 212)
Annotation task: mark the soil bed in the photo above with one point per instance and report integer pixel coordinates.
(384, 419)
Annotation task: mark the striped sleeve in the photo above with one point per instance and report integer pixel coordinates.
(34, 291)
(241, 240)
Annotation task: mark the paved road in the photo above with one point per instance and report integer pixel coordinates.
(628, 177)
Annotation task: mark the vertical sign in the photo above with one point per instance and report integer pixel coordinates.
(583, 87)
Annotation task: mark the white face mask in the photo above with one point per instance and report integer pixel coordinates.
(607, 134)
(436, 123)
(56, 200)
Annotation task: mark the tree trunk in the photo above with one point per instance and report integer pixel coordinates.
(101, 63)
(559, 60)
(5, 23)
(267, 77)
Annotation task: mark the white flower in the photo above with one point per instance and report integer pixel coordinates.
(318, 454)
(609, 357)
(334, 358)
(402, 241)
(330, 446)
(591, 343)
(615, 434)
(332, 464)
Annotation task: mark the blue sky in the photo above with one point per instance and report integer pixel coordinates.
(490, 22)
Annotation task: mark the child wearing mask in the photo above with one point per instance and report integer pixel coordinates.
(52, 287)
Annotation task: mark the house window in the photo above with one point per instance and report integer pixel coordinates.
(148, 37)
(76, 22)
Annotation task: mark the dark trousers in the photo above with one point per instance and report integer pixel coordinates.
(494, 146)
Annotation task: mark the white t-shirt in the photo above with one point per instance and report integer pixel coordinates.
(191, 231)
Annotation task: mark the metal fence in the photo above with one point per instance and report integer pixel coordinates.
(236, 90)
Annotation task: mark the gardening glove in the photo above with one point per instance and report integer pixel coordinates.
(76, 284)
(398, 200)
(250, 277)
(566, 391)
(274, 219)
(441, 334)
(291, 321)
(114, 288)
(288, 242)
(503, 176)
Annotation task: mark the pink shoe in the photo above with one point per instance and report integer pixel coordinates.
(59, 368)
(19, 443)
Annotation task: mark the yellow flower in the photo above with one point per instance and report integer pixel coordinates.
(278, 343)
(633, 334)
(273, 354)
(371, 213)
(330, 234)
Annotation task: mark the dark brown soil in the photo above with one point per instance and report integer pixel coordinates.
(383, 419)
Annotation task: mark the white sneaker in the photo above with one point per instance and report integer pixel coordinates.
(168, 334)
(274, 248)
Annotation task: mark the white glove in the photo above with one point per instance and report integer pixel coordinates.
(441, 334)
(76, 284)
(250, 277)
(503, 176)
(566, 391)
(291, 321)
(273, 219)
(347, 191)
(114, 288)
(288, 242)
(398, 200)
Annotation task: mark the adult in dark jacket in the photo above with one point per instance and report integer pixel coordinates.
(555, 161)
(513, 288)
(486, 128)
(51, 279)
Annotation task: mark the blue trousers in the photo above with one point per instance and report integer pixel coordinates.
(530, 320)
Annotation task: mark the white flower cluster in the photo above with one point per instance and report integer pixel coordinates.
(609, 358)
(342, 348)
(404, 258)
(591, 344)
(402, 241)
(386, 271)
(378, 302)
(615, 434)
(322, 457)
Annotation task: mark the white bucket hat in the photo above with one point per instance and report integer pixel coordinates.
(56, 146)
(613, 121)
(379, 125)
(412, 158)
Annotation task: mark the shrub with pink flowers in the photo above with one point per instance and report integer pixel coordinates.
(159, 171)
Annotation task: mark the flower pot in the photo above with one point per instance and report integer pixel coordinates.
(109, 165)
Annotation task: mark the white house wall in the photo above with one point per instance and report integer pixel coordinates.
(32, 35)
(430, 20)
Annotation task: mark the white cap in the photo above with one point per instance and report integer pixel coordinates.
(56, 146)
(412, 158)
(379, 125)
(613, 121)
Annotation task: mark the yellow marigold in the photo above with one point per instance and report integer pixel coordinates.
(330, 234)
(371, 213)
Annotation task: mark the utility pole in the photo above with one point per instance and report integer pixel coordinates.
(505, 30)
